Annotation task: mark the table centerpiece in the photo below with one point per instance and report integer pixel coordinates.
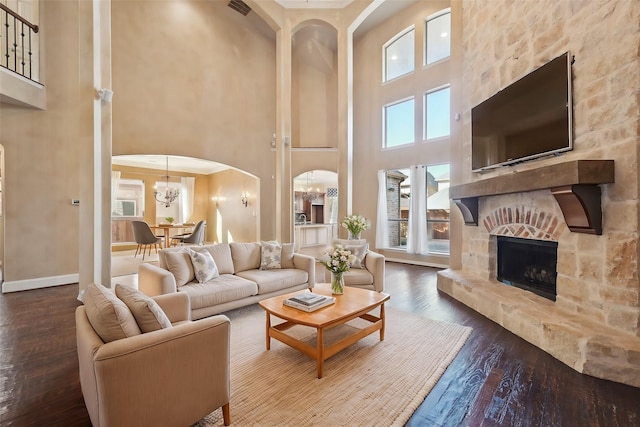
(338, 261)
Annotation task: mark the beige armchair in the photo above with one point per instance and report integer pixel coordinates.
(168, 377)
(371, 276)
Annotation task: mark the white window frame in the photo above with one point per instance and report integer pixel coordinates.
(425, 41)
(424, 113)
(384, 54)
(384, 123)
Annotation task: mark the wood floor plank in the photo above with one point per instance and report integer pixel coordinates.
(498, 379)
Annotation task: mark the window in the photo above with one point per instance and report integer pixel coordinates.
(438, 37)
(399, 193)
(438, 209)
(129, 200)
(437, 113)
(399, 55)
(399, 123)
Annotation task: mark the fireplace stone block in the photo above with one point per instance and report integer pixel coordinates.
(580, 341)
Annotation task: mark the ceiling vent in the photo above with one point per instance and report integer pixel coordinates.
(239, 6)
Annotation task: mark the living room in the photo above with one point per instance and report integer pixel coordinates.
(170, 98)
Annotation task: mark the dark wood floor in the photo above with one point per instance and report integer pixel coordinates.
(497, 379)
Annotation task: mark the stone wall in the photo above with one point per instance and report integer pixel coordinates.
(598, 286)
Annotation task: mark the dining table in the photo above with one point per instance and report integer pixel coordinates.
(166, 227)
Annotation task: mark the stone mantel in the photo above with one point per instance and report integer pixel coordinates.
(574, 184)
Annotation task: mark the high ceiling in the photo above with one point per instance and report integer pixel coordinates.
(314, 4)
(176, 163)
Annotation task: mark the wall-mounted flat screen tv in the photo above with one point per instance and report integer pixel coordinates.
(528, 119)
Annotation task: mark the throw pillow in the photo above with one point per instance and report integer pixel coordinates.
(148, 314)
(271, 255)
(221, 253)
(286, 258)
(246, 256)
(359, 251)
(109, 317)
(204, 267)
(179, 263)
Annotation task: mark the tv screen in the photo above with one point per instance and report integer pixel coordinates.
(528, 119)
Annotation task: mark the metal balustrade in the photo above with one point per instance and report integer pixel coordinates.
(18, 38)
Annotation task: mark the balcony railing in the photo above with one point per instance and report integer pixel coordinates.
(17, 43)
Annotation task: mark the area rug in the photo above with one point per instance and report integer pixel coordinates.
(371, 383)
(124, 263)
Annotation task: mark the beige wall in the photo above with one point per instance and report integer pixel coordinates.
(196, 79)
(228, 220)
(42, 158)
(370, 95)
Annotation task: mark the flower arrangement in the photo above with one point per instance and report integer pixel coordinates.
(169, 219)
(356, 224)
(339, 259)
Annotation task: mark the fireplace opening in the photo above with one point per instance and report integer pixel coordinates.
(528, 264)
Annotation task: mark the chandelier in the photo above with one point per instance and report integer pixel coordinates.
(308, 193)
(170, 195)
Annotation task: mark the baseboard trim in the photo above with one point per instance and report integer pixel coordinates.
(413, 262)
(41, 282)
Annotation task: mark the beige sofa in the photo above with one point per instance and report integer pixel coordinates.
(240, 282)
(172, 376)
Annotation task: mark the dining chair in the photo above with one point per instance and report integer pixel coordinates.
(195, 237)
(144, 237)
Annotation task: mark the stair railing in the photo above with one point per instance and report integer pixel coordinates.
(16, 41)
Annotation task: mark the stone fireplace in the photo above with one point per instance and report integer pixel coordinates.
(583, 323)
(593, 325)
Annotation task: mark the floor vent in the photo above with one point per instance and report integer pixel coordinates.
(239, 6)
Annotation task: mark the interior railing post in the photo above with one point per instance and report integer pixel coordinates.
(22, 46)
(6, 39)
(15, 45)
(30, 56)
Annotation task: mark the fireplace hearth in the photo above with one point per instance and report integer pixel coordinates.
(528, 264)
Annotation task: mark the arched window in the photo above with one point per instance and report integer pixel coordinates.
(438, 36)
(399, 55)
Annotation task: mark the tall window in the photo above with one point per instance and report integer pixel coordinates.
(399, 55)
(437, 113)
(399, 123)
(438, 37)
(399, 193)
(438, 208)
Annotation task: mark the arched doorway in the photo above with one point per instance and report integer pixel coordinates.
(315, 213)
(225, 197)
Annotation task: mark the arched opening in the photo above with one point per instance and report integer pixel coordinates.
(315, 199)
(143, 189)
(314, 80)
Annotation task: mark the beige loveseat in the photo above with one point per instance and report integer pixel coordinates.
(150, 365)
(369, 271)
(240, 281)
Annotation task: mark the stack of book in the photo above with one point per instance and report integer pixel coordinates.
(308, 301)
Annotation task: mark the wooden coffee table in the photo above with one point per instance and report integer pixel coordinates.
(352, 304)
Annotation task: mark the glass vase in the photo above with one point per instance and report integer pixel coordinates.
(354, 236)
(337, 283)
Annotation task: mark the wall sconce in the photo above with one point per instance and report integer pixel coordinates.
(244, 200)
(105, 95)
